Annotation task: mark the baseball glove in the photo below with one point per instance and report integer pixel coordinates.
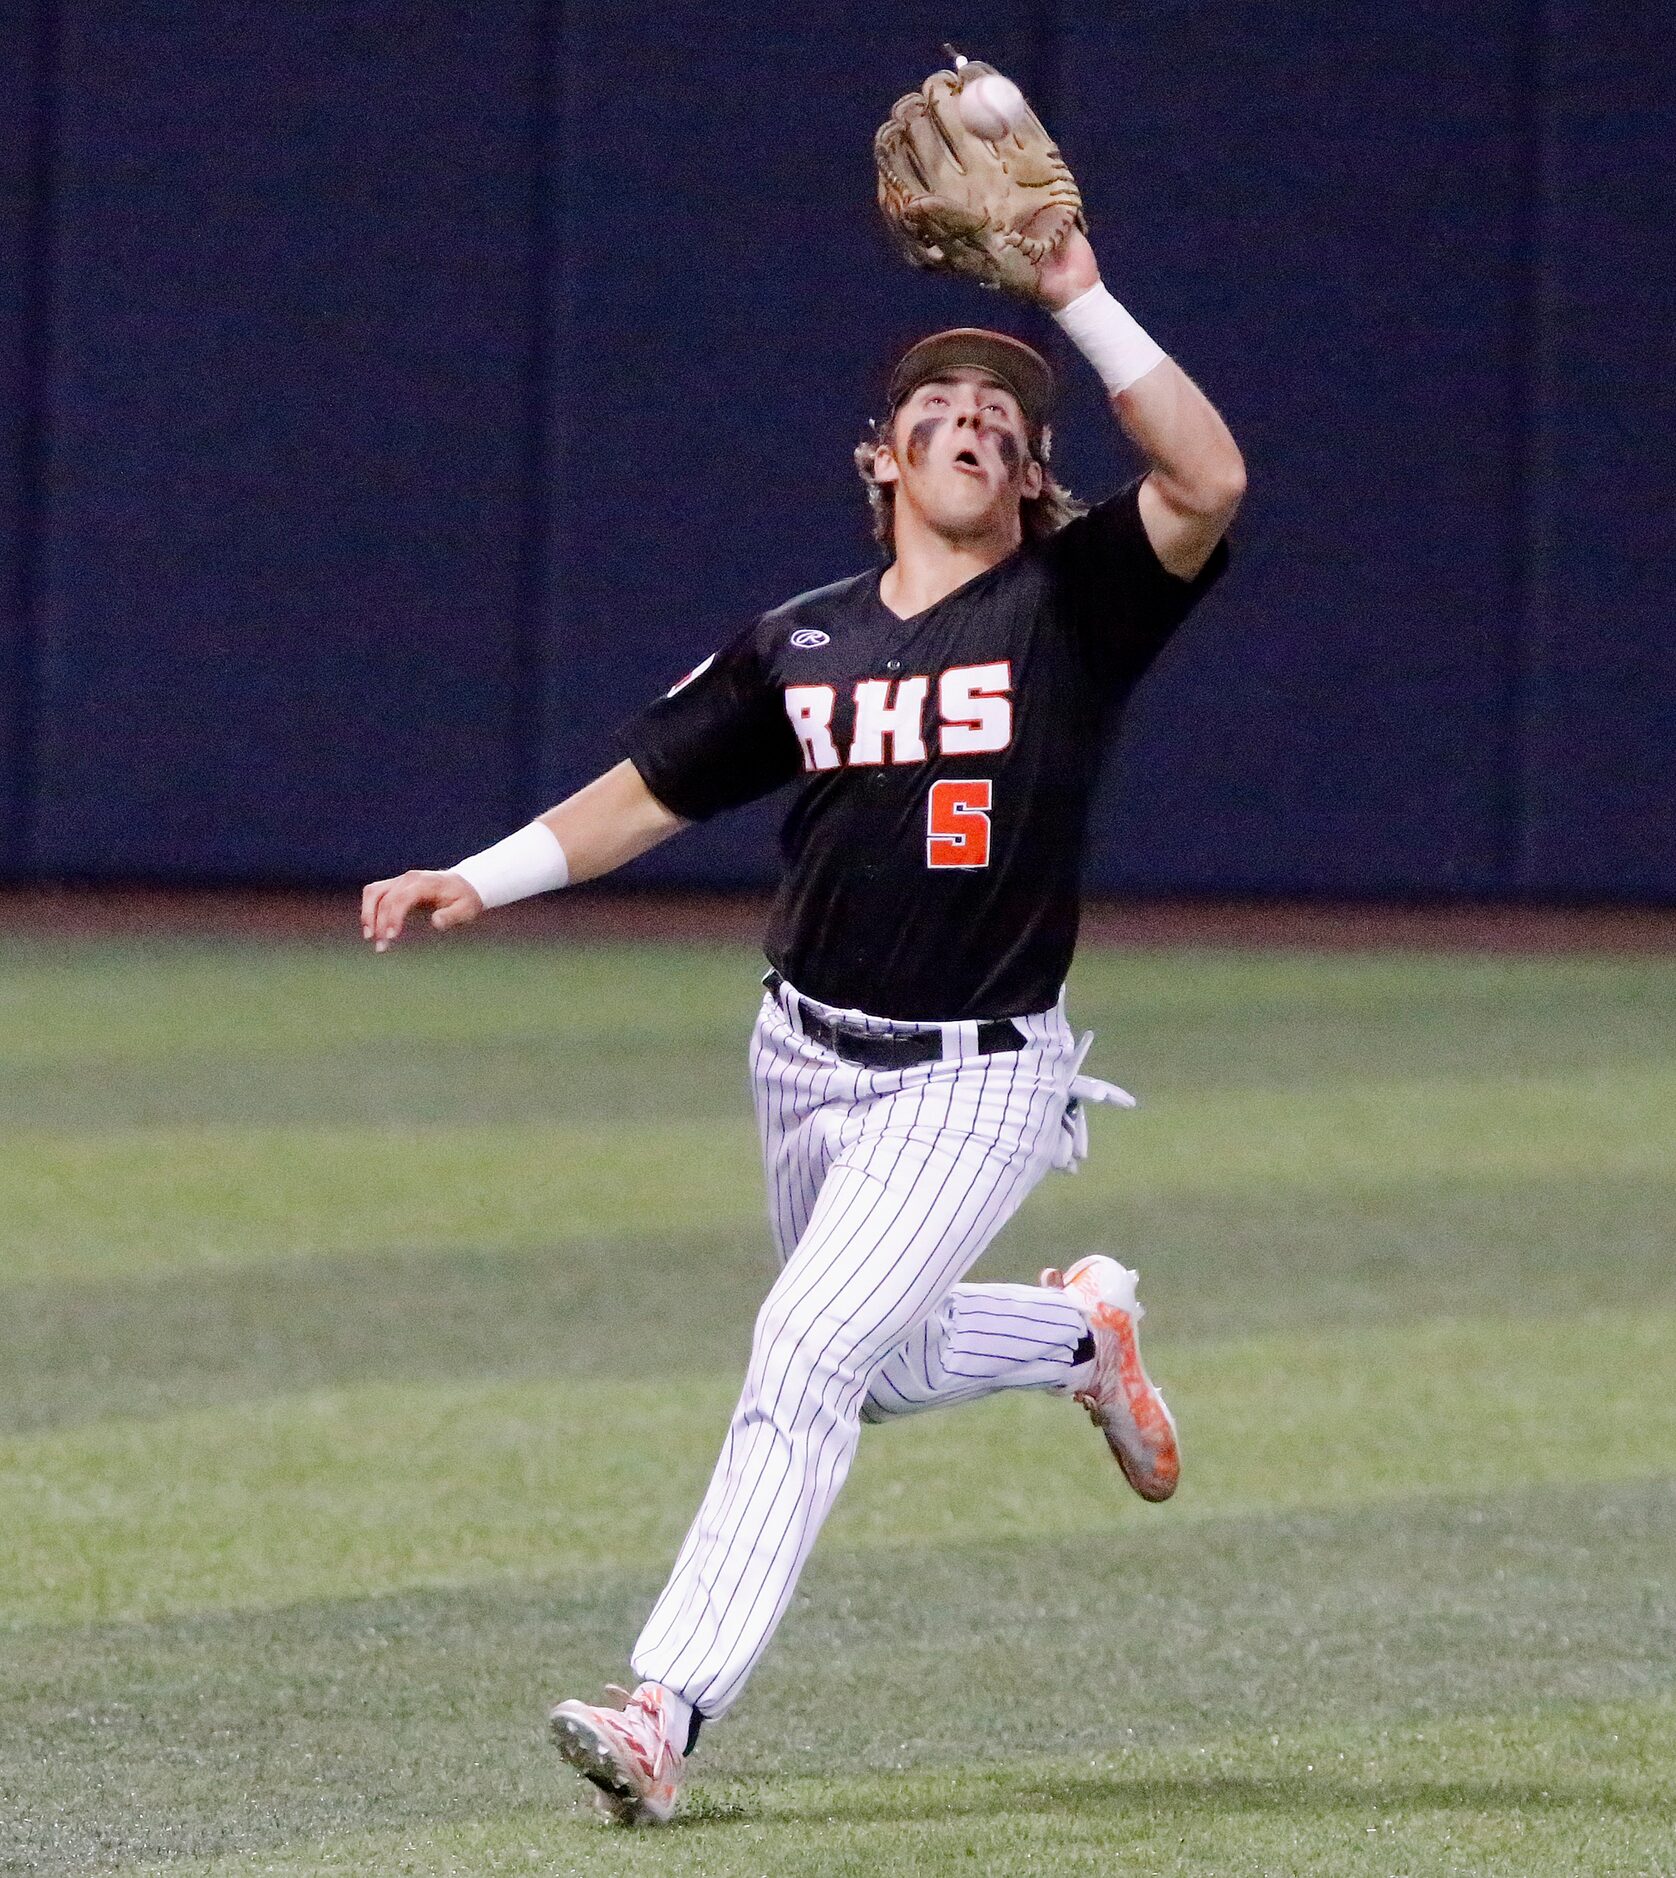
(957, 202)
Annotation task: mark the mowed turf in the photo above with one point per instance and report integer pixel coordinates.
(370, 1326)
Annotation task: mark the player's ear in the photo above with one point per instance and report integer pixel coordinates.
(1033, 481)
(885, 466)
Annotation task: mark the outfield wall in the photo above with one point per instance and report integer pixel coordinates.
(397, 393)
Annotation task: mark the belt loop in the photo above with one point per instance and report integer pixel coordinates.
(960, 1041)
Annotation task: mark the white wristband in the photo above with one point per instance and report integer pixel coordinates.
(532, 860)
(1109, 337)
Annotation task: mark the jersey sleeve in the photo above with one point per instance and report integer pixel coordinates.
(1118, 599)
(717, 739)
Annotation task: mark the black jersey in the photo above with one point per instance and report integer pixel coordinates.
(934, 848)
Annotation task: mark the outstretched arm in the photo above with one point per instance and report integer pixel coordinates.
(610, 822)
(613, 819)
(1197, 474)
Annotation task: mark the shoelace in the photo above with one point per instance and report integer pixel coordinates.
(650, 1711)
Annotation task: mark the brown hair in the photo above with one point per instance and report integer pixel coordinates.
(1040, 516)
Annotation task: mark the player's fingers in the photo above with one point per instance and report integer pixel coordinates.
(371, 894)
(458, 905)
(394, 907)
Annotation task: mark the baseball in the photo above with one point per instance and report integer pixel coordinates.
(990, 106)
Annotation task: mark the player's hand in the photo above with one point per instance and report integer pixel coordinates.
(1067, 273)
(386, 904)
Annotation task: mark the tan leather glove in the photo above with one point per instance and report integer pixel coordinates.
(964, 205)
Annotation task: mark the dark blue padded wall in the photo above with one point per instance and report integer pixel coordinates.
(1325, 225)
(23, 155)
(1599, 772)
(396, 395)
(293, 323)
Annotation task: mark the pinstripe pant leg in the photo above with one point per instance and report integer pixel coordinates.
(980, 1339)
(924, 1176)
(799, 1091)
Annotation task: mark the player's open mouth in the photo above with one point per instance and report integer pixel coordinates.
(968, 460)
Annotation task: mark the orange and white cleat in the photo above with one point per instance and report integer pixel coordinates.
(1122, 1400)
(625, 1752)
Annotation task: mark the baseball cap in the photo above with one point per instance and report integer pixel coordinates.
(1023, 370)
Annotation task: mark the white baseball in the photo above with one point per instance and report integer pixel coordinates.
(990, 106)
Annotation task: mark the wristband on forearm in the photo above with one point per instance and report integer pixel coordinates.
(1109, 337)
(531, 860)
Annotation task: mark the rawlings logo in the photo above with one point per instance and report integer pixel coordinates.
(806, 638)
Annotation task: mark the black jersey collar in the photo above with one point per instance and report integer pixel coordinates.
(954, 593)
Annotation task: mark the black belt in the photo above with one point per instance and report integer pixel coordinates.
(875, 1051)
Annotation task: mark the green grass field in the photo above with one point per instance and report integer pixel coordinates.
(370, 1326)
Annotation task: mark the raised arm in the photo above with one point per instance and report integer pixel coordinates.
(1197, 474)
(607, 823)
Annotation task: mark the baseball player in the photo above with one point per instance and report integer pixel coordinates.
(941, 723)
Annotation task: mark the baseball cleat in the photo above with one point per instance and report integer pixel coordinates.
(1122, 1400)
(625, 1752)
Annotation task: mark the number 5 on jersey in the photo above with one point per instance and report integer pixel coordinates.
(957, 823)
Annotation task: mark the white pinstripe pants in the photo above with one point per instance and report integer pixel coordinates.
(884, 1187)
